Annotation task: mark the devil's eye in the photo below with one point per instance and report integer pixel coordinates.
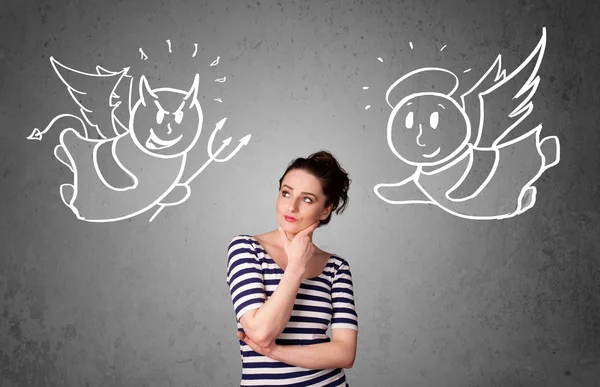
(434, 119)
(160, 115)
(178, 116)
(409, 120)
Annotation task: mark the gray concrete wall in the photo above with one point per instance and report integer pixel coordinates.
(442, 300)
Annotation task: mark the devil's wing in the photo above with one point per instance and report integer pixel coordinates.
(120, 99)
(498, 103)
(96, 95)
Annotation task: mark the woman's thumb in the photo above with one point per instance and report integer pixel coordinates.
(283, 236)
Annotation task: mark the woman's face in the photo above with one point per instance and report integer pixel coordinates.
(300, 202)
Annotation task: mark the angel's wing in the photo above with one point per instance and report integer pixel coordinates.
(498, 103)
(97, 98)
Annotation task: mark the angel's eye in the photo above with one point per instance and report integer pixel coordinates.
(160, 115)
(178, 116)
(409, 120)
(434, 119)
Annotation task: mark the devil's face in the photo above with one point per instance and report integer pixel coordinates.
(427, 129)
(166, 122)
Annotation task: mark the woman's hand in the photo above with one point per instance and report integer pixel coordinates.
(299, 250)
(265, 351)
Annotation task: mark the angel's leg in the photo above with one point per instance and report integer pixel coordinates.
(550, 148)
(526, 199)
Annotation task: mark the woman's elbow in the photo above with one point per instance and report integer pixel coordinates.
(254, 330)
(349, 363)
(263, 340)
(262, 337)
(257, 336)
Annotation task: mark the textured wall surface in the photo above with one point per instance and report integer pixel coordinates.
(442, 300)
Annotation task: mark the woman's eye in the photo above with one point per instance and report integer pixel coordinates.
(178, 116)
(284, 193)
(309, 200)
(409, 120)
(160, 115)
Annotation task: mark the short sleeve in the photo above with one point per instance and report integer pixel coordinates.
(344, 311)
(244, 276)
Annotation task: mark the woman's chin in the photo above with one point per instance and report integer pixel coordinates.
(290, 227)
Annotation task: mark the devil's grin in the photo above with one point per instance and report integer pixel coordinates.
(155, 143)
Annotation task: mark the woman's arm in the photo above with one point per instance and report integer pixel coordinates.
(265, 324)
(339, 353)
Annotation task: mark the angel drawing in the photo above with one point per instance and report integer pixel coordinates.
(476, 157)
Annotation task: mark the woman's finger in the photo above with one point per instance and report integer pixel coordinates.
(308, 230)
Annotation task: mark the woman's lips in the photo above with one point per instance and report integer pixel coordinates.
(289, 218)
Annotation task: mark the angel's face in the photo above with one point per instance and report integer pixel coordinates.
(427, 129)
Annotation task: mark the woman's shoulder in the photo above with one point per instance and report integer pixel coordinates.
(242, 246)
(260, 241)
(266, 240)
(242, 236)
(242, 240)
(338, 260)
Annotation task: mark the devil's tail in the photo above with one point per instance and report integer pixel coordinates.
(80, 127)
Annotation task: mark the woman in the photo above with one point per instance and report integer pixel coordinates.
(286, 291)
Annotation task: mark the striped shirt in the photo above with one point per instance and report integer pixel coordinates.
(322, 301)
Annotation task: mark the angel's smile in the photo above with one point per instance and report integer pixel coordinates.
(430, 155)
(155, 143)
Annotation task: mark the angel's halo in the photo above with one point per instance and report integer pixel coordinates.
(426, 79)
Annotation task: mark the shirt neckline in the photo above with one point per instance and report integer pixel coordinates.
(279, 267)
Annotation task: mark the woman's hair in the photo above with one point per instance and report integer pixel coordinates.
(334, 179)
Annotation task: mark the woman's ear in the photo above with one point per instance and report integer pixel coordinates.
(326, 212)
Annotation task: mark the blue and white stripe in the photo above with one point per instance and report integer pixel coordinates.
(323, 301)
